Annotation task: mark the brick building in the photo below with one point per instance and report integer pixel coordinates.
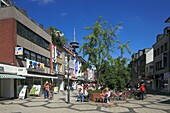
(25, 52)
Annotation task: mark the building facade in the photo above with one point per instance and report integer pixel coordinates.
(141, 66)
(162, 61)
(28, 48)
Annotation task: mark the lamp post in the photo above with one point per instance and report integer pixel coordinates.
(68, 80)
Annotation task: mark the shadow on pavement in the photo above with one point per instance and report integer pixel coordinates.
(165, 102)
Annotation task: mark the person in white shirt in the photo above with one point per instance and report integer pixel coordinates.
(107, 95)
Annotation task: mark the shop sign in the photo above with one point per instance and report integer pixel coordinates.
(34, 66)
(21, 71)
(18, 50)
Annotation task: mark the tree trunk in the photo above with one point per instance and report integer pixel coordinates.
(98, 80)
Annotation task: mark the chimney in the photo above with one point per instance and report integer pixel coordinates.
(24, 12)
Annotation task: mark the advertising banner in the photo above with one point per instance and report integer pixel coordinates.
(23, 92)
(35, 90)
(56, 90)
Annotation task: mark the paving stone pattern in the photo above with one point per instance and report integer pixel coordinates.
(153, 104)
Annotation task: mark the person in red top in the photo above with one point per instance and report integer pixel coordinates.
(102, 96)
(142, 90)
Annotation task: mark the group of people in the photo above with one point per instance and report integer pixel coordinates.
(82, 94)
(48, 90)
(104, 96)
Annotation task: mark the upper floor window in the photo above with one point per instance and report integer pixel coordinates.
(43, 60)
(38, 58)
(59, 55)
(166, 46)
(154, 53)
(162, 49)
(32, 36)
(158, 51)
(47, 62)
(33, 56)
(26, 54)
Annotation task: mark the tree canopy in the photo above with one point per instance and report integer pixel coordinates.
(58, 37)
(100, 45)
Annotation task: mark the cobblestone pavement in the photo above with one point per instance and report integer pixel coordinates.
(153, 104)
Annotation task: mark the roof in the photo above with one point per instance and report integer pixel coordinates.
(168, 20)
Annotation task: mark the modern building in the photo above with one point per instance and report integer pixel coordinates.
(26, 47)
(162, 61)
(141, 66)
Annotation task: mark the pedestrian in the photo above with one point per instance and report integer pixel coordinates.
(142, 90)
(51, 90)
(46, 89)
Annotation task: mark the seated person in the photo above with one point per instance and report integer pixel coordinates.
(107, 95)
(84, 95)
(102, 96)
(80, 92)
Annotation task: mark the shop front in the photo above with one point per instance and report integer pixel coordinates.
(8, 81)
(167, 82)
(34, 81)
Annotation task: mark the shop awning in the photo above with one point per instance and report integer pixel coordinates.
(40, 76)
(6, 76)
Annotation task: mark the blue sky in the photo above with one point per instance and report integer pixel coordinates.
(142, 20)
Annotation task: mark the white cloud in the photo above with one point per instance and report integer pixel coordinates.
(120, 27)
(43, 2)
(64, 14)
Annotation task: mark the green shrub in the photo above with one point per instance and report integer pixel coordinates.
(94, 91)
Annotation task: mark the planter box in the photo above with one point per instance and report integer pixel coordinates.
(93, 96)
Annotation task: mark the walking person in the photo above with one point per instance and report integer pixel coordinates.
(46, 89)
(142, 90)
(51, 90)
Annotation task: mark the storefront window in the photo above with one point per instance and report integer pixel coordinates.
(37, 81)
(166, 84)
(29, 83)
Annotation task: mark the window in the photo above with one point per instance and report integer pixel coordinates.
(32, 36)
(19, 56)
(59, 54)
(26, 54)
(47, 62)
(33, 56)
(58, 68)
(162, 49)
(38, 58)
(158, 51)
(166, 46)
(43, 60)
(165, 60)
(154, 53)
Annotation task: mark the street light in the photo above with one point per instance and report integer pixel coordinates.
(68, 80)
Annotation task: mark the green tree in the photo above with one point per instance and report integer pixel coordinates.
(117, 74)
(100, 44)
(58, 37)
